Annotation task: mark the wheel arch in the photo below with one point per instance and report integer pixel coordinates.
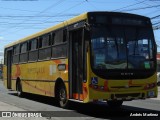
(58, 82)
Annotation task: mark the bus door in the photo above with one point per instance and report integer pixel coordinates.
(76, 63)
(9, 70)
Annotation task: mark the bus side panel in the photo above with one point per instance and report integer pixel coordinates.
(15, 74)
(40, 77)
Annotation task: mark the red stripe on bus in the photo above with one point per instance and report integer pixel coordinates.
(46, 92)
(85, 91)
(76, 96)
(57, 61)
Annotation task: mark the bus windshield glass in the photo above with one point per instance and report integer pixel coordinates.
(121, 47)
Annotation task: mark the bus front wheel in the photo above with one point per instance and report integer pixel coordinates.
(62, 97)
(115, 103)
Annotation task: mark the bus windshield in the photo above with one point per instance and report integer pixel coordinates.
(121, 47)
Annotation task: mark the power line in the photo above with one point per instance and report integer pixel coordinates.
(141, 8)
(23, 16)
(53, 5)
(155, 17)
(129, 6)
(150, 5)
(60, 13)
(92, 4)
(156, 23)
(19, 9)
(156, 27)
(5, 23)
(20, 18)
(152, 12)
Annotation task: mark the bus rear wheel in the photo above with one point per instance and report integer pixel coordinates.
(62, 97)
(19, 89)
(115, 103)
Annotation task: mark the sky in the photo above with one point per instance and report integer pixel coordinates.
(20, 18)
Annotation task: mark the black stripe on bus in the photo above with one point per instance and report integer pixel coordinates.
(39, 80)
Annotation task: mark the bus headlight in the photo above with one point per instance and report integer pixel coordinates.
(149, 86)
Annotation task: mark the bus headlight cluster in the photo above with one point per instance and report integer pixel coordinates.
(150, 86)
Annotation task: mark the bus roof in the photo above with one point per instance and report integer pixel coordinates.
(60, 25)
(65, 23)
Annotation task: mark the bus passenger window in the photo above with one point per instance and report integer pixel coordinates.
(23, 48)
(33, 45)
(59, 51)
(64, 35)
(44, 44)
(44, 41)
(53, 39)
(33, 52)
(16, 54)
(58, 37)
(16, 50)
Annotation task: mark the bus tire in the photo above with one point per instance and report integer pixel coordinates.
(19, 89)
(115, 103)
(61, 96)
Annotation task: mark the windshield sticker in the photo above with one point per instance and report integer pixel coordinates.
(147, 65)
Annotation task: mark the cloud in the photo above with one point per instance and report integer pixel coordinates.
(1, 53)
(1, 38)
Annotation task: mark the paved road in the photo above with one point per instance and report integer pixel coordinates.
(83, 111)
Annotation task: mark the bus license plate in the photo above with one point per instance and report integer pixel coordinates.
(151, 93)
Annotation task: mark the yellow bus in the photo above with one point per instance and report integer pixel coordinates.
(96, 56)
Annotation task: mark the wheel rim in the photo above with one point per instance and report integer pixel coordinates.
(62, 96)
